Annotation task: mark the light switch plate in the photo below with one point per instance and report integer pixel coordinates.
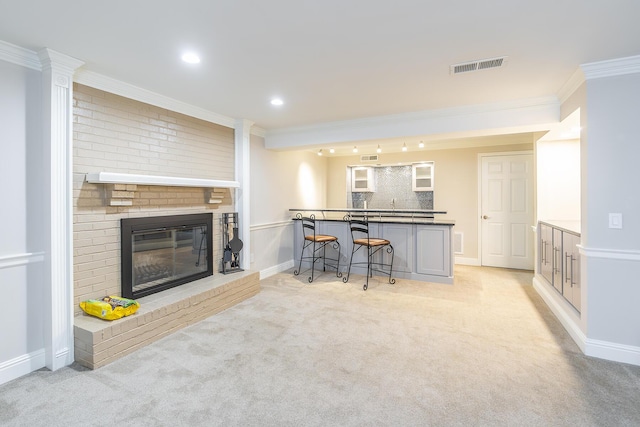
(615, 220)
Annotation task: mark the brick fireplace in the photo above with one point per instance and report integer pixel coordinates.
(116, 134)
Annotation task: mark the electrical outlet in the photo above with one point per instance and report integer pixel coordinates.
(615, 220)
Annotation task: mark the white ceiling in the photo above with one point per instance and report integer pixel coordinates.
(330, 60)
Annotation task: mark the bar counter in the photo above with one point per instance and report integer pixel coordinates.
(422, 245)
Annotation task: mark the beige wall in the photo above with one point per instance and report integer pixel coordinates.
(116, 134)
(456, 183)
(281, 180)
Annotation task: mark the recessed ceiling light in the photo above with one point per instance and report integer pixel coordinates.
(191, 58)
(277, 101)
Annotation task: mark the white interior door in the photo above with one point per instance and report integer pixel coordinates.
(507, 211)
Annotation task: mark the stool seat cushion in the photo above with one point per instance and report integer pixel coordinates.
(321, 238)
(372, 242)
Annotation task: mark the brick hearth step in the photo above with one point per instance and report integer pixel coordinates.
(99, 342)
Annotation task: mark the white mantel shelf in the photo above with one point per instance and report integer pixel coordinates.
(172, 181)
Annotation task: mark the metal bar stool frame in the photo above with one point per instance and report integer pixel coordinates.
(373, 245)
(318, 251)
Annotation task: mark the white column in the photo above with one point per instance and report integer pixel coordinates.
(57, 89)
(243, 175)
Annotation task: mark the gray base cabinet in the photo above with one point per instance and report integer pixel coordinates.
(433, 246)
(559, 261)
(571, 289)
(556, 260)
(421, 251)
(545, 245)
(401, 238)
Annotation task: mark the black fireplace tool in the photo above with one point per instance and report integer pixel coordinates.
(232, 245)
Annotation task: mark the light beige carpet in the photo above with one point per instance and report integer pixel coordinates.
(484, 351)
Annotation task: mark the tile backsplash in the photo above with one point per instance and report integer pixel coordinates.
(393, 191)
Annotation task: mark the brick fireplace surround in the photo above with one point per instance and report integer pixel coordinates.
(116, 134)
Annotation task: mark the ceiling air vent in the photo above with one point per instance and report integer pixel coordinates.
(369, 158)
(482, 64)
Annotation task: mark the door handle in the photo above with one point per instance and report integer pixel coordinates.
(485, 217)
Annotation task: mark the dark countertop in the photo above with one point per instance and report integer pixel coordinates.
(389, 216)
(384, 212)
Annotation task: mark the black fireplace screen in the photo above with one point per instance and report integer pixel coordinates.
(159, 253)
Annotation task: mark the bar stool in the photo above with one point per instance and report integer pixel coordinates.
(319, 244)
(362, 239)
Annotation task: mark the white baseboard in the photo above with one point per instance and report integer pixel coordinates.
(467, 261)
(22, 365)
(613, 351)
(595, 348)
(267, 272)
(545, 291)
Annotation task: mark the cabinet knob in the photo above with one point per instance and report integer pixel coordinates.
(485, 217)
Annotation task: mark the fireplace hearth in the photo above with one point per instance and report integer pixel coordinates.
(163, 252)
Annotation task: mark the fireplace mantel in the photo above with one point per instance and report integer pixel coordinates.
(172, 181)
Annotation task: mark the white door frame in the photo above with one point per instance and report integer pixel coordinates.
(479, 206)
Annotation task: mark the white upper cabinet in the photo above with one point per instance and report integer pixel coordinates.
(422, 176)
(362, 179)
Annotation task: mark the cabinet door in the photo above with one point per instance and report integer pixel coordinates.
(545, 242)
(577, 286)
(433, 250)
(571, 269)
(340, 229)
(401, 238)
(422, 174)
(556, 259)
(362, 179)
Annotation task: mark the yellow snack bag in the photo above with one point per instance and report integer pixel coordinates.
(110, 307)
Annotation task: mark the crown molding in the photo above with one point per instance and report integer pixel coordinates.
(524, 112)
(117, 87)
(258, 131)
(52, 59)
(610, 68)
(571, 85)
(35, 60)
(426, 114)
(19, 56)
